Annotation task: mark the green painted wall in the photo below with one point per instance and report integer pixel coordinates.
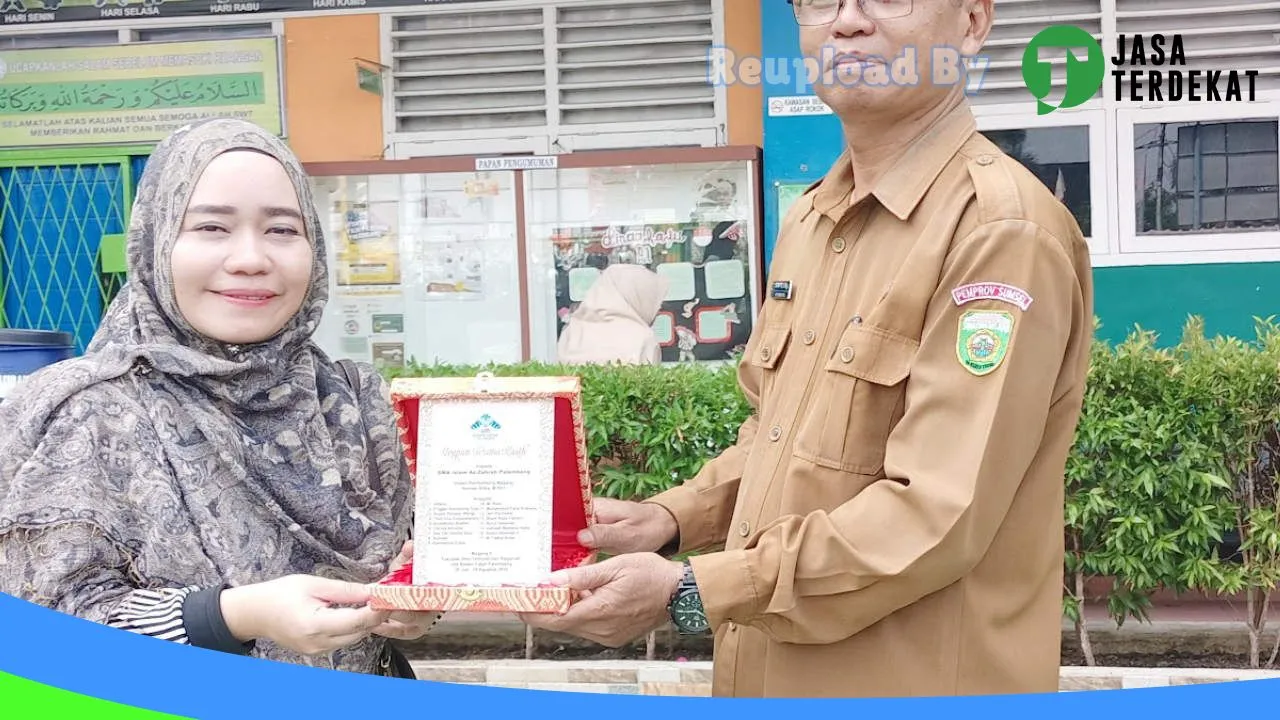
(1161, 298)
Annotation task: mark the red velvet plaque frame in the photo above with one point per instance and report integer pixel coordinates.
(571, 494)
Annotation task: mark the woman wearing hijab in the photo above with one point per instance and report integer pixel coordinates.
(204, 473)
(614, 323)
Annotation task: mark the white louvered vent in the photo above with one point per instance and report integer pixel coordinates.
(566, 73)
(1221, 35)
(1016, 22)
(628, 62)
(475, 70)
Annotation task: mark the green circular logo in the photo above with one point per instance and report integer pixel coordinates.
(1084, 76)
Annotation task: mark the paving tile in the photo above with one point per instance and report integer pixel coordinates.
(1140, 680)
(659, 674)
(553, 673)
(570, 687)
(451, 673)
(694, 678)
(1196, 680)
(676, 688)
(695, 674)
(1074, 683)
(603, 675)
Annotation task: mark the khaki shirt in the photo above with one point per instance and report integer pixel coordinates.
(892, 515)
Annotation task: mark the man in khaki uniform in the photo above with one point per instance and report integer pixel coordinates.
(892, 515)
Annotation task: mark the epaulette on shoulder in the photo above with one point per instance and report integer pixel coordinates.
(995, 185)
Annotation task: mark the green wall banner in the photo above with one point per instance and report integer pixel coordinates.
(135, 93)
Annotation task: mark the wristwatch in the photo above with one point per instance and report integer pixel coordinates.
(685, 606)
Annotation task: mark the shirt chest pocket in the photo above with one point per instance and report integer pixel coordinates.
(856, 400)
(774, 338)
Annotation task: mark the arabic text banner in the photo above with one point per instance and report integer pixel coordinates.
(135, 93)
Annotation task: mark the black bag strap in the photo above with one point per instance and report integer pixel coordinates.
(393, 663)
(353, 379)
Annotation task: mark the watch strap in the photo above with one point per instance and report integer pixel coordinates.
(687, 587)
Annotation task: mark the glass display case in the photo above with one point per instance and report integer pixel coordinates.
(482, 260)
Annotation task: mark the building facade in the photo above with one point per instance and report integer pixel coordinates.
(478, 163)
(1179, 198)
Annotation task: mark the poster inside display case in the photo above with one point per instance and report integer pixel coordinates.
(424, 268)
(691, 224)
(435, 263)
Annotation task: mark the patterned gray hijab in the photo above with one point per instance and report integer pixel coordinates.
(162, 458)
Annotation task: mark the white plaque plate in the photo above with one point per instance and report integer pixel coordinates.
(484, 492)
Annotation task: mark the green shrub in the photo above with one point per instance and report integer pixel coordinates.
(1175, 458)
(648, 427)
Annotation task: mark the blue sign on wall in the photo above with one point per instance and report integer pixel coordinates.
(799, 146)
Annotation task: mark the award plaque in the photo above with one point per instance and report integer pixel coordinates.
(502, 488)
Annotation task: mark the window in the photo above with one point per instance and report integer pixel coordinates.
(1207, 176)
(1067, 152)
(1060, 158)
(1200, 179)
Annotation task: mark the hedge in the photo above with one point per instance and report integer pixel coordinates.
(1171, 484)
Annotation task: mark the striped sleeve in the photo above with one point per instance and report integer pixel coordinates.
(92, 581)
(157, 613)
(188, 615)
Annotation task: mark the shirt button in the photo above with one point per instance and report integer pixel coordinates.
(846, 354)
(838, 244)
(985, 159)
(744, 528)
(809, 335)
(857, 319)
(766, 353)
(774, 433)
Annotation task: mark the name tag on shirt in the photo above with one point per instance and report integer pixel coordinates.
(781, 290)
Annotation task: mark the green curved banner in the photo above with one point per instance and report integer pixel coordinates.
(24, 699)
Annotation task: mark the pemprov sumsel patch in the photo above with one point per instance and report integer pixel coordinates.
(992, 291)
(982, 340)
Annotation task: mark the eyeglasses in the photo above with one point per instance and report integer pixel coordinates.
(825, 12)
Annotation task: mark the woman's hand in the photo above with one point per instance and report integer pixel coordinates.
(403, 624)
(407, 625)
(297, 612)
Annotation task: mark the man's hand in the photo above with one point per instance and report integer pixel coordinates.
(628, 527)
(626, 597)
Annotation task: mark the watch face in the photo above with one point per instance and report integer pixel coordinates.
(688, 613)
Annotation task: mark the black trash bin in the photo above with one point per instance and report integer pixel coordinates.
(23, 352)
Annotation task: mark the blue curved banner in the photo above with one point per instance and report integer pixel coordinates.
(73, 655)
